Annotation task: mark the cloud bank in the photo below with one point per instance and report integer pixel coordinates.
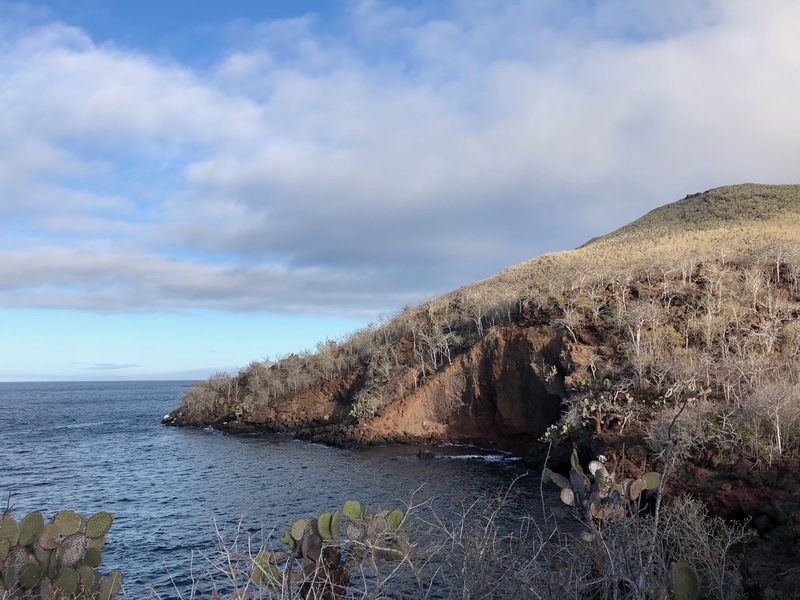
(349, 173)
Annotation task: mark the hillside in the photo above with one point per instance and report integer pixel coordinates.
(652, 305)
(675, 336)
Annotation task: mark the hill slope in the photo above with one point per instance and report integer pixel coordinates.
(644, 308)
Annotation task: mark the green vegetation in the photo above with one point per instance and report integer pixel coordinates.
(57, 559)
(317, 561)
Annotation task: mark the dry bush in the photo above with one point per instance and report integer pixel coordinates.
(237, 570)
(492, 550)
(688, 533)
(772, 415)
(701, 425)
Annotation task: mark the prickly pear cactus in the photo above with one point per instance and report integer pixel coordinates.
(99, 524)
(326, 561)
(30, 527)
(352, 509)
(265, 569)
(55, 559)
(601, 498)
(684, 582)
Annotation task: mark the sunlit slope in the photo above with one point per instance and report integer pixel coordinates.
(723, 223)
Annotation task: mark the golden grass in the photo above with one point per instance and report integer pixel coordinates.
(725, 223)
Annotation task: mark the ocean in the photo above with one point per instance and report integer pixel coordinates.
(90, 446)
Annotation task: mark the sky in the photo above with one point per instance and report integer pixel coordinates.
(192, 185)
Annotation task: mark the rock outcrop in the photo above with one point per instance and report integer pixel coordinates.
(503, 392)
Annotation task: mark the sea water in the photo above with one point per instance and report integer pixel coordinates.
(90, 446)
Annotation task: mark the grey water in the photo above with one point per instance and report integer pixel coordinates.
(89, 446)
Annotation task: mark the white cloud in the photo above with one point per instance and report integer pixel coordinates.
(414, 153)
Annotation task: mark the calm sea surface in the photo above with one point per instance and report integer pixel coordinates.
(101, 446)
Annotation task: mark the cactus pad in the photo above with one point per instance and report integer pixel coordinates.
(17, 559)
(574, 461)
(99, 524)
(110, 585)
(30, 527)
(9, 530)
(47, 590)
(30, 575)
(89, 578)
(48, 538)
(580, 484)
(67, 580)
(600, 477)
(299, 527)
(636, 488)
(96, 542)
(684, 581)
(336, 524)
(265, 570)
(651, 480)
(324, 526)
(68, 522)
(352, 509)
(70, 552)
(93, 558)
(311, 547)
(378, 527)
(594, 465)
(42, 555)
(356, 531)
(395, 518)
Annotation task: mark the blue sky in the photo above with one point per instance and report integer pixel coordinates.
(191, 185)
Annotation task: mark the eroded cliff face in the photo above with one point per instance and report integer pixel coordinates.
(500, 393)
(503, 392)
